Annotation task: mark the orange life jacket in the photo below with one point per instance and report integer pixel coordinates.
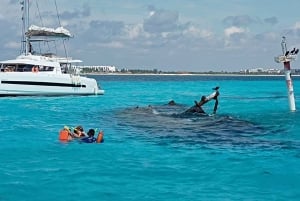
(64, 135)
(100, 137)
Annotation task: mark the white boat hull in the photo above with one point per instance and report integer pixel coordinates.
(45, 84)
(43, 73)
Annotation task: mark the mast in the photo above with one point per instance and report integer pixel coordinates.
(27, 44)
(286, 57)
(25, 26)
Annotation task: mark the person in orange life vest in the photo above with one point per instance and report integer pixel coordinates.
(65, 134)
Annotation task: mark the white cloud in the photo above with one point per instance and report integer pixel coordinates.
(235, 37)
(113, 44)
(151, 13)
(161, 21)
(133, 31)
(196, 32)
(12, 45)
(296, 25)
(165, 34)
(233, 30)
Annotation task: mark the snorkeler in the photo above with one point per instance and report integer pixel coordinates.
(78, 132)
(66, 135)
(91, 139)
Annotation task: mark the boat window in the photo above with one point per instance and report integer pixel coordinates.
(8, 67)
(46, 68)
(24, 67)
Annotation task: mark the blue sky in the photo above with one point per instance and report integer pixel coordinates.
(168, 35)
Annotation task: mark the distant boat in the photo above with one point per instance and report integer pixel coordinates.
(43, 74)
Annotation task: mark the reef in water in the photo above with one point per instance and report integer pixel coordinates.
(174, 124)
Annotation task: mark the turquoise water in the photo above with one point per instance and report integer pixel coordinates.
(250, 150)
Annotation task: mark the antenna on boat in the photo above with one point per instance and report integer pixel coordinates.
(286, 58)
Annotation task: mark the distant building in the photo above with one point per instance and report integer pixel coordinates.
(273, 71)
(256, 70)
(261, 71)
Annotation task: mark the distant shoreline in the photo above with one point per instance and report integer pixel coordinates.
(190, 74)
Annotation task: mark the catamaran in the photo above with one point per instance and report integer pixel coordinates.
(43, 74)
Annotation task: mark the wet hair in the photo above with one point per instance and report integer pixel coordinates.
(91, 132)
(79, 128)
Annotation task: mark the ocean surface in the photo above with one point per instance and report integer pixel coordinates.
(249, 150)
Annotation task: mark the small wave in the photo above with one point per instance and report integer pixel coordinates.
(255, 98)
